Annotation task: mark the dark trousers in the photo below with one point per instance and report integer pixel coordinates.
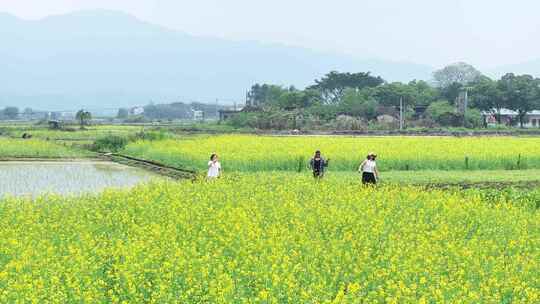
(368, 178)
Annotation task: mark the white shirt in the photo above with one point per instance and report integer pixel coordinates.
(213, 169)
(369, 166)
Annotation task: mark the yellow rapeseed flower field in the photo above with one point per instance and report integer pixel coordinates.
(264, 153)
(269, 238)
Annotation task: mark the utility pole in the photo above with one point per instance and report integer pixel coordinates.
(216, 106)
(401, 113)
(465, 105)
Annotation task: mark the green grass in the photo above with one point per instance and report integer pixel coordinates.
(36, 148)
(440, 177)
(471, 176)
(210, 127)
(72, 133)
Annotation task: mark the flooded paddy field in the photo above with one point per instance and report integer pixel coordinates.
(32, 178)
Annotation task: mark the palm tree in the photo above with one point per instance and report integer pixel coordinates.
(83, 117)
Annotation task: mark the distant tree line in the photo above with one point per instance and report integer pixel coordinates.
(364, 99)
(9, 113)
(14, 112)
(173, 111)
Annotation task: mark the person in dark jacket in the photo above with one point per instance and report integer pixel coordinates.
(318, 164)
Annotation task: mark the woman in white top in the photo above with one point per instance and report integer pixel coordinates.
(214, 167)
(369, 171)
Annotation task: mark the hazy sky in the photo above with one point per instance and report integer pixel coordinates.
(486, 33)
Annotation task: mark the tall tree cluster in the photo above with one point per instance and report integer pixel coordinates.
(366, 96)
(10, 112)
(520, 93)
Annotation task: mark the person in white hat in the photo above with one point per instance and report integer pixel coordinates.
(368, 169)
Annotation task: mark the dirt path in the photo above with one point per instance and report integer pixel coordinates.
(155, 167)
(483, 185)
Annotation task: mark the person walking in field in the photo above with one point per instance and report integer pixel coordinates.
(318, 165)
(214, 167)
(368, 169)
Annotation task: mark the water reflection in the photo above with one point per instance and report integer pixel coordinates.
(34, 178)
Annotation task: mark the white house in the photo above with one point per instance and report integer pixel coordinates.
(509, 117)
(136, 111)
(198, 115)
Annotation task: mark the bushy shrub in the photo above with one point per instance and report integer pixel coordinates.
(444, 114)
(422, 123)
(323, 112)
(136, 119)
(473, 118)
(110, 143)
(450, 119)
(345, 122)
(265, 120)
(115, 143)
(151, 135)
(244, 119)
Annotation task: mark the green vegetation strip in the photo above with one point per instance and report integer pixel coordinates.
(35, 148)
(71, 133)
(460, 177)
(491, 178)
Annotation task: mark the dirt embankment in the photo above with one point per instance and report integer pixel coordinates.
(155, 167)
(483, 185)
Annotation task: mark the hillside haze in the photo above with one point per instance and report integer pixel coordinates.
(108, 59)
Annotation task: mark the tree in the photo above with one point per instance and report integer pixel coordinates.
(123, 113)
(521, 93)
(295, 99)
(443, 113)
(83, 117)
(473, 118)
(265, 94)
(451, 92)
(460, 72)
(424, 93)
(333, 85)
(486, 96)
(11, 112)
(360, 103)
(27, 113)
(177, 110)
(389, 94)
